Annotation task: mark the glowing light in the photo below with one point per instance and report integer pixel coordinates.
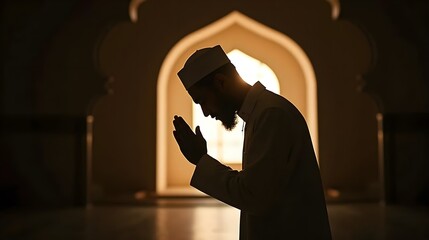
(226, 146)
(133, 9)
(140, 195)
(335, 5)
(253, 70)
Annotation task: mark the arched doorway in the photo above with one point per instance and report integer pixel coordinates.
(234, 31)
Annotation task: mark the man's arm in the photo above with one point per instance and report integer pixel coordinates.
(269, 165)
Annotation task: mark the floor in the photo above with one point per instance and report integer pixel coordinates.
(201, 219)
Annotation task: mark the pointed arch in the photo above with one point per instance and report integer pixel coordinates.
(184, 46)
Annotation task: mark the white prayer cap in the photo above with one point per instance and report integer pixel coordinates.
(202, 63)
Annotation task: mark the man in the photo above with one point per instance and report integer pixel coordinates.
(279, 190)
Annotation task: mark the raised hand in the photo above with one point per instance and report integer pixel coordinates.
(193, 146)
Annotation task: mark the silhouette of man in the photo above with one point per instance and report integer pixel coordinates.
(279, 190)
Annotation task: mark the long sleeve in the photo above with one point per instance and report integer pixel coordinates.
(269, 165)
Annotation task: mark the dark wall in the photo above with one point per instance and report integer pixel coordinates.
(51, 80)
(49, 83)
(399, 82)
(399, 78)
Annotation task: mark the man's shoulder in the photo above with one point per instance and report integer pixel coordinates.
(270, 100)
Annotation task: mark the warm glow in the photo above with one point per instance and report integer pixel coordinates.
(226, 146)
(133, 9)
(335, 5)
(210, 35)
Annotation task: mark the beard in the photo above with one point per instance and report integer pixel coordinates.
(230, 122)
(228, 115)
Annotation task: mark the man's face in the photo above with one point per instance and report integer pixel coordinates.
(215, 104)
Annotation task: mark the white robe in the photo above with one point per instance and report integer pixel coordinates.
(279, 191)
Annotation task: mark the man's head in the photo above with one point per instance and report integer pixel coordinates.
(202, 63)
(211, 80)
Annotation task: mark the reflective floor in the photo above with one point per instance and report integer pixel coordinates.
(204, 219)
